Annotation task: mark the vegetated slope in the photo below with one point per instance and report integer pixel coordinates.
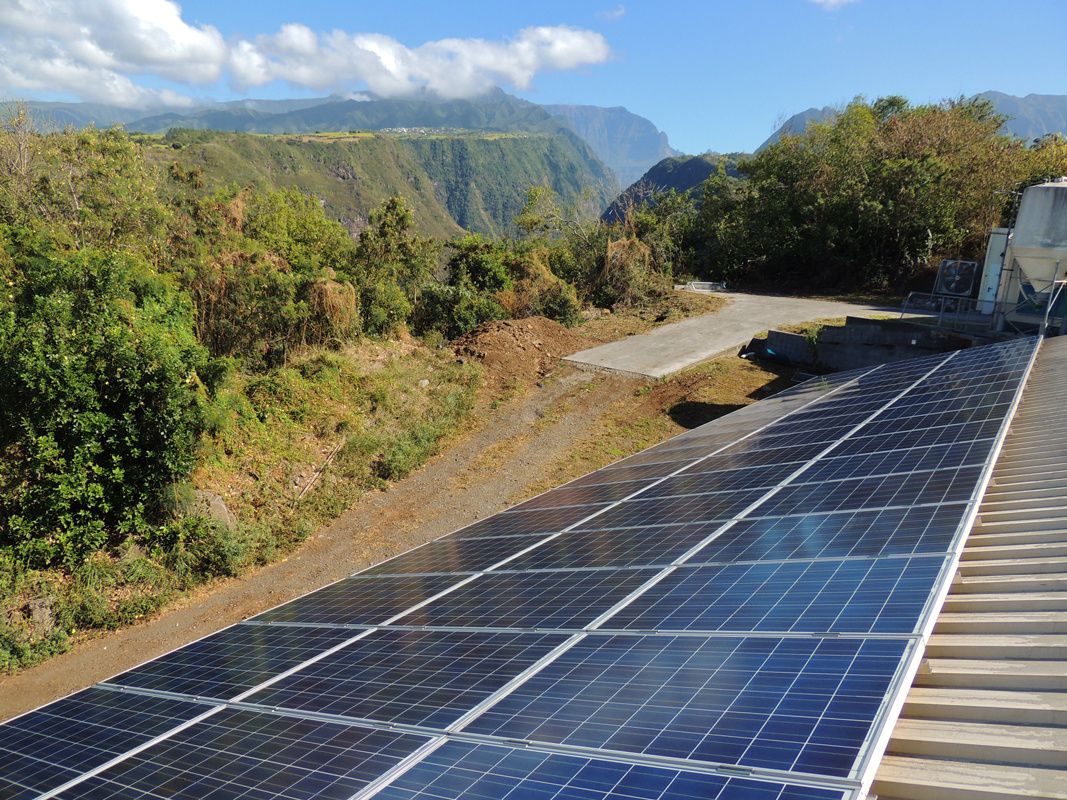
(683, 174)
(476, 181)
(629, 144)
(482, 180)
(797, 123)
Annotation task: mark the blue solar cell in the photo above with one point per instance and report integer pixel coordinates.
(44, 749)
(453, 554)
(922, 437)
(699, 481)
(240, 754)
(909, 489)
(522, 523)
(530, 600)
(885, 595)
(778, 703)
(361, 601)
(676, 510)
(463, 771)
(620, 547)
(229, 662)
(889, 532)
(615, 474)
(888, 462)
(428, 678)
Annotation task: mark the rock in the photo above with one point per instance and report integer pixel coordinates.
(212, 506)
(39, 610)
(424, 383)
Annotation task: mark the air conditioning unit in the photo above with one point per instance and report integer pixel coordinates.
(956, 278)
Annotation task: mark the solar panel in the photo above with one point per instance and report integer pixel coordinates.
(746, 596)
(620, 547)
(362, 600)
(556, 599)
(240, 754)
(885, 532)
(427, 678)
(462, 770)
(453, 554)
(881, 595)
(44, 749)
(796, 704)
(233, 660)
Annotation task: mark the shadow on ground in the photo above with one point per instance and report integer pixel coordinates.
(693, 414)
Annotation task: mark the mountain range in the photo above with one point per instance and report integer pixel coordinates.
(627, 143)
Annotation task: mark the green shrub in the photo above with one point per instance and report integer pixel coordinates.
(558, 301)
(480, 263)
(385, 308)
(99, 405)
(454, 310)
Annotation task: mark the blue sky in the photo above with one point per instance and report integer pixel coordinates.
(714, 75)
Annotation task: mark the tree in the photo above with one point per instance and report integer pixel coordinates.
(99, 405)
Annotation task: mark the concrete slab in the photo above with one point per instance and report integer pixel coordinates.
(682, 344)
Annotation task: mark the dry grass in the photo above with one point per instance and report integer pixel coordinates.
(663, 409)
(675, 307)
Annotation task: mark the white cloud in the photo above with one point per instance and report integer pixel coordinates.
(612, 14)
(830, 5)
(98, 51)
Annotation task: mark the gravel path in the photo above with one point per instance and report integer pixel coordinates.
(674, 347)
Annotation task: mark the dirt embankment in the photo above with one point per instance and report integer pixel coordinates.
(518, 352)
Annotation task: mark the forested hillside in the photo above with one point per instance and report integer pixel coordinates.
(452, 180)
(682, 174)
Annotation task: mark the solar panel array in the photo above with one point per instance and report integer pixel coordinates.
(730, 614)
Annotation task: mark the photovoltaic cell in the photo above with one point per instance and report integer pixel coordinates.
(361, 601)
(233, 660)
(676, 510)
(889, 532)
(910, 489)
(620, 547)
(888, 462)
(241, 754)
(530, 600)
(616, 474)
(521, 523)
(44, 749)
(464, 771)
(452, 554)
(428, 678)
(698, 481)
(884, 595)
(778, 703)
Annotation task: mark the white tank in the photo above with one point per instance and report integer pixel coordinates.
(1039, 241)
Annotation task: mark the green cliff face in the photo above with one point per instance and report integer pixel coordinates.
(453, 180)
